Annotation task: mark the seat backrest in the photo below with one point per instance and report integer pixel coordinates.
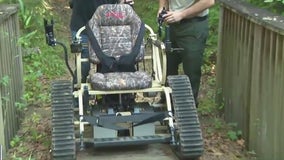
(116, 28)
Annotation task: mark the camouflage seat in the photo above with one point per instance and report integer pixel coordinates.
(120, 80)
(115, 29)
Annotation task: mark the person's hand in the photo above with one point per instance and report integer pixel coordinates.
(173, 17)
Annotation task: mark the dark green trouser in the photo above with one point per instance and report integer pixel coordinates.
(191, 36)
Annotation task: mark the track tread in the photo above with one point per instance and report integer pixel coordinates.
(188, 127)
(63, 135)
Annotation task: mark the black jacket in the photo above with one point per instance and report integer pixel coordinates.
(83, 10)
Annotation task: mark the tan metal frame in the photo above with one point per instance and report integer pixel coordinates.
(158, 85)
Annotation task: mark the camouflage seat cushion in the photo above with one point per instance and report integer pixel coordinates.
(120, 81)
(116, 28)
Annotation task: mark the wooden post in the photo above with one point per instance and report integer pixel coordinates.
(2, 138)
(9, 56)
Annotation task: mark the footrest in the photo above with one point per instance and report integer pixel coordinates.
(135, 140)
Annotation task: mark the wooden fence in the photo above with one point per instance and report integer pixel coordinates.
(250, 75)
(11, 74)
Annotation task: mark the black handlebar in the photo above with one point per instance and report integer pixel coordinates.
(51, 41)
(49, 34)
(131, 3)
(168, 43)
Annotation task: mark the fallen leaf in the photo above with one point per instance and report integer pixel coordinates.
(241, 142)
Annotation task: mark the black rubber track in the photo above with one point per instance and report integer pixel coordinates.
(188, 131)
(63, 137)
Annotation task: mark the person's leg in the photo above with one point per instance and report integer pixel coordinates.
(192, 38)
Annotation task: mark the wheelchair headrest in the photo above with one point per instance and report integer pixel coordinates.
(116, 28)
(114, 14)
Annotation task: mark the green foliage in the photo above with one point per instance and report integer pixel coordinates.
(4, 81)
(5, 98)
(269, 1)
(27, 39)
(39, 69)
(218, 123)
(26, 15)
(21, 105)
(15, 141)
(32, 131)
(211, 44)
(234, 134)
(18, 158)
(147, 10)
(35, 135)
(31, 13)
(275, 6)
(41, 62)
(207, 104)
(4, 1)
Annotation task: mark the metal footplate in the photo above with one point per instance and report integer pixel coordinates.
(135, 140)
(63, 138)
(188, 132)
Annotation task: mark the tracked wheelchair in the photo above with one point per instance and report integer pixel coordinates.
(128, 67)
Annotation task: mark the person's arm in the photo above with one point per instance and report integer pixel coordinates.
(192, 11)
(163, 4)
(196, 8)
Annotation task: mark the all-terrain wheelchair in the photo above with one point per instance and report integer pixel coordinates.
(118, 100)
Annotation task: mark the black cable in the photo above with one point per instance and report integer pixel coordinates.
(66, 58)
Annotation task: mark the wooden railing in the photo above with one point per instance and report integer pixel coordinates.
(250, 75)
(11, 74)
